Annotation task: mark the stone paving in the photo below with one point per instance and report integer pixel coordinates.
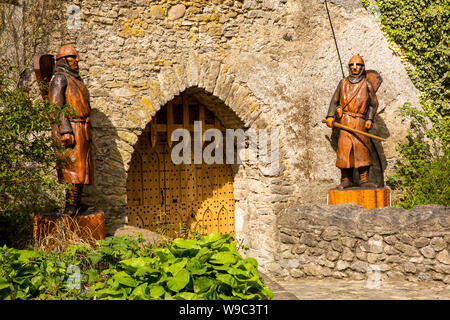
(337, 289)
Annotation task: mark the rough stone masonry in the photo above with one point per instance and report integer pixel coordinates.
(349, 242)
(256, 64)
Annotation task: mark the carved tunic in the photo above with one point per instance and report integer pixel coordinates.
(359, 104)
(66, 88)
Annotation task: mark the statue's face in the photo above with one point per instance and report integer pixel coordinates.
(73, 62)
(356, 68)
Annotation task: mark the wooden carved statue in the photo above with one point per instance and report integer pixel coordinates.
(74, 132)
(355, 103)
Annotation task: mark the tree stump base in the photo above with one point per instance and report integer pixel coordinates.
(367, 198)
(87, 226)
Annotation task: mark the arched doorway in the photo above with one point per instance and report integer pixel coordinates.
(173, 199)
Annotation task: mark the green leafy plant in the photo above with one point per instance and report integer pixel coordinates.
(27, 158)
(123, 268)
(420, 32)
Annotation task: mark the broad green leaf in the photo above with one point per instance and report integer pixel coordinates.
(163, 254)
(187, 296)
(246, 296)
(202, 284)
(140, 292)
(184, 247)
(92, 274)
(239, 273)
(133, 264)
(174, 268)
(26, 255)
(267, 292)
(156, 291)
(35, 281)
(210, 238)
(223, 258)
(185, 243)
(250, 263)
(145, 271)
(227, 279)
(195, 267)
(95, 257)
(4, 284)
(204, 254)
(111, 294)
(125, 279)
(179, 281)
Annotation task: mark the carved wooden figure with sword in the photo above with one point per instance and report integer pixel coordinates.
(74, 132)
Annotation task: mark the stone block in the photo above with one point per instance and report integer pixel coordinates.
(347, 254)
(342, 265)
(438, 243)
(176, 12)
(313, 270)
(443, 257)
(330, 234)
(428, 252)
(359, 266)
(421, 242)
(409, 267)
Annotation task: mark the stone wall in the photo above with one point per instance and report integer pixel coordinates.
(261, 64)
(347, 241)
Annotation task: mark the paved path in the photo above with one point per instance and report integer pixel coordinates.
(335, 289)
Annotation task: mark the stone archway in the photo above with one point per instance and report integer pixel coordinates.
(213, 84)
(174, 198)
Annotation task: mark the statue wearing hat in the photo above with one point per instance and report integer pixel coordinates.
(355, 103)
(73, 132)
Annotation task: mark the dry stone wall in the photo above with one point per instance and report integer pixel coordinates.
(260, 64)
(347, 241)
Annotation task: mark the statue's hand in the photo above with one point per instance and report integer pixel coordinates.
(68, 139)
(369, 124)
(330, 122)
(339, 112)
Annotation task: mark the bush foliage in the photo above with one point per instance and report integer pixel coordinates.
(27, 158)
(421, 29)
(209, 268)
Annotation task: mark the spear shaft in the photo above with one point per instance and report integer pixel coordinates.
(341, 126)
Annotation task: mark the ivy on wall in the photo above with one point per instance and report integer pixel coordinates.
(420, 29)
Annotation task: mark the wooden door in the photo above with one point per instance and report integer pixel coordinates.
(173, 199)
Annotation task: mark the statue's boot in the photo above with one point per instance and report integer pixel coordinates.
(364, 178)
(346, 178)
(82, 207)
(73, 200)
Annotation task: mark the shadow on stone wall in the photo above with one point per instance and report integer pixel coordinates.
(108, 192)
(379, 129)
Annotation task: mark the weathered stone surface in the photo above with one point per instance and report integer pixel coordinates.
(438, 243)
(360, 266)
(313, 270)
(330, 234)
(342, 265)
(443, 257)
(407, 249)
(421, 242)
(176, 12)
(353, 249)
(332, 255)
(347, 254)
(156, 12)
(395, 275)
(409, 267)
(428, 252)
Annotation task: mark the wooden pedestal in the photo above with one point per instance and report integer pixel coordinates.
(367, 198)
(85, 226)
